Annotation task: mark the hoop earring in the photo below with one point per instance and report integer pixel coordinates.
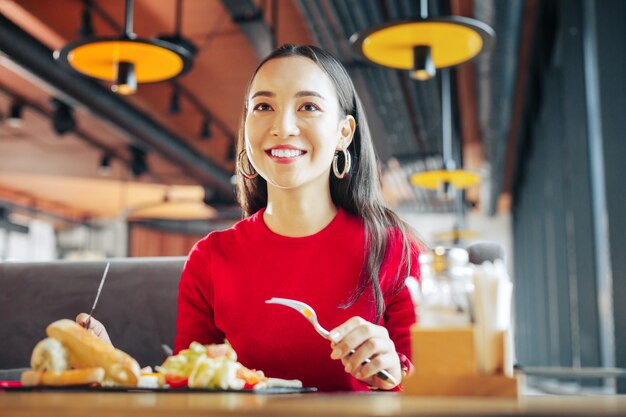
(346, 165)
(246, 175)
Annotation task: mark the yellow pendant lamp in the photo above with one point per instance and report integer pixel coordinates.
(458, 178)
(127, 60)
(421, 47)
(424, 45)
(455, 235)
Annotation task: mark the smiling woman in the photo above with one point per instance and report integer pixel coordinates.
(294, 126)
(316, 230)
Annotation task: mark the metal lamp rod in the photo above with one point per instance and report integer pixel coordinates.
(446, 116)
(179, 16)
(448, 159)
(424, 9)
(128, 20)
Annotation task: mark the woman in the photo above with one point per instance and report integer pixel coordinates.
(316, 230)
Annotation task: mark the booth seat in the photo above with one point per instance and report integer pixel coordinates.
(137, 304)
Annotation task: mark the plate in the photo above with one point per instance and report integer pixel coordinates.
(186, 390)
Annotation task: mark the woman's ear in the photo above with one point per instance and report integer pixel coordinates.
(347, 127)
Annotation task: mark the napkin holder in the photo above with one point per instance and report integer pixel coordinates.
(445, 365)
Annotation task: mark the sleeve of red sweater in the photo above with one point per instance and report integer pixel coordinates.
(399, 308)
(195, 321)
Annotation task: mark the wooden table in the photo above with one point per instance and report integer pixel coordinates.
(70, 404)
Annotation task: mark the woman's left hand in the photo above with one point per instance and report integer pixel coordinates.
(369, 342)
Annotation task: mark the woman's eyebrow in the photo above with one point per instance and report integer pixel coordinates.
(264, 94)
(309, 93)
(305, 93)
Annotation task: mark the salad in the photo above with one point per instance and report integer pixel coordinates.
(213, 366)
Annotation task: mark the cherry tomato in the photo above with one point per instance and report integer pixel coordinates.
(176, 381)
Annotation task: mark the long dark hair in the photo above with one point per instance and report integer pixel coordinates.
(359, 193)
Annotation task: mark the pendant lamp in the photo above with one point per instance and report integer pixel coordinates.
(455, 235)
(421, 46)
(126, 60)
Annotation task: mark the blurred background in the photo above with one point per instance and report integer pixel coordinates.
(538, 117)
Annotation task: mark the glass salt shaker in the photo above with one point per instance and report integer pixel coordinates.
(446, 288)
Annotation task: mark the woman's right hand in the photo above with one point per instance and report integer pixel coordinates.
(95, 327)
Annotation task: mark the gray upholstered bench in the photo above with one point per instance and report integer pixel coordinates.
(137, 304)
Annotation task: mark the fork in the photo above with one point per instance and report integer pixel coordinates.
(310, 315)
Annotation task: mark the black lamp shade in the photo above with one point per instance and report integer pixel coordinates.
(423, 64)
(126, 81)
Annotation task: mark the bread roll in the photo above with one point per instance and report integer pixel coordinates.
(50, 355)
(31, 378)
(74, 377)
(88, 351)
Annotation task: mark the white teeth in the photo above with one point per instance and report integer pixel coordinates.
(286, 153)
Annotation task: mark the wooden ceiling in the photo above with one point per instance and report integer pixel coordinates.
(221, 69)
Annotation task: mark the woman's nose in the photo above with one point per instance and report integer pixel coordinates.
(285, 125)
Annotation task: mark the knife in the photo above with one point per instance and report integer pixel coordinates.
(95, 302)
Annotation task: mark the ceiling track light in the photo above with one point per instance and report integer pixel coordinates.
(205, 128)
(232, 151)
(153, 60)
(174, 107)
(15, 114)
(105, 165)
(62, 118)
(138, 165)
(208, 121)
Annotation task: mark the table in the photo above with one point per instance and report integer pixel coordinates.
(70, 404)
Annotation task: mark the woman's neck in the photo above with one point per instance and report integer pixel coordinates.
(297, 213)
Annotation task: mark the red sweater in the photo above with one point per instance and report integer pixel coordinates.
(229, 274)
